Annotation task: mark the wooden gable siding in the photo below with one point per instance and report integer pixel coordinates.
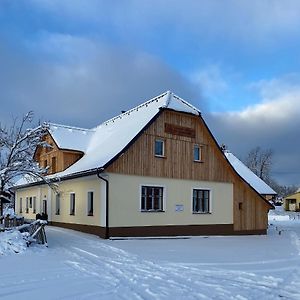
(64, 158)
(139, 159)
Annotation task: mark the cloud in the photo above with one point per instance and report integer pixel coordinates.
(246, 21)
(80, 81)
(274, 123)
(211, 80)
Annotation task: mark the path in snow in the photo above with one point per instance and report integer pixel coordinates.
(81, 266)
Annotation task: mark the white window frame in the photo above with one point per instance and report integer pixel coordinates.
(164, 208)
(200, 149)
(20, 205)
(163, 147)
(57, 201)
(34, 204)
(210, 203)
(27, 205)
(87, 203)
(72, 213)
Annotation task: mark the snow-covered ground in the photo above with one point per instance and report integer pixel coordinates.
(82, 266)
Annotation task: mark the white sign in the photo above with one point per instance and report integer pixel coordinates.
(179, 207)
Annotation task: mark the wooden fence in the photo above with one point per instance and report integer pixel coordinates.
(9, 221)
(35, 230)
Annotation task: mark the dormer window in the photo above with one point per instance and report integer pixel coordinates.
(159, 147)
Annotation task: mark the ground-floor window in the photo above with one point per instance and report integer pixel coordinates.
(34, 204)
(201, 201)
(20, 206)
(152, 198)
(27, 205)
(44, 206)
(57, 204)
(72, 204)
(90, 203)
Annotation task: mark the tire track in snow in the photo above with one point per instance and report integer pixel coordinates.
(183, 278)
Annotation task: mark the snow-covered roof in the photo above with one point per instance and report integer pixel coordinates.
(104, 142)
(258, 184)
(72, 138)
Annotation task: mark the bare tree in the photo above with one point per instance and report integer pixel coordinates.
(259, 161)
(17, 146)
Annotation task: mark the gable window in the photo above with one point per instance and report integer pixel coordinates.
(90, 203)
(57, 204)
(152, 198)
(27, 205)
(34, 204)
(201, 201)
(197, 153)
(72, 204)
(159, 147)
(53, 164)
(20, 206)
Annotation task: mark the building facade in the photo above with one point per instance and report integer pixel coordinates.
(155, 170)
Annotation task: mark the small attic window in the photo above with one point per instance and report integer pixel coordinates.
(197, 153)
(159, 148)
(49, 147)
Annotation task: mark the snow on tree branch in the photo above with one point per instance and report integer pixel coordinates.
(17, 147)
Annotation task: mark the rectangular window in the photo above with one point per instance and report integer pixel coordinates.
(45, 163)
(72, 204)
(197, 153)
(90, 203)
(30, 202)
(57, 204)
(201, 201)
(152, 198)
(159, 147)
(34, 204)
(53, 164)
(45, 206)
(21, 206)
(27, 205)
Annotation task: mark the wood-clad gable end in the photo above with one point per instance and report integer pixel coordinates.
(56, 159)
(180, 133)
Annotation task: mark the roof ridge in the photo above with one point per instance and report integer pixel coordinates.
(70, 127)
(186, 103)
(133, 109)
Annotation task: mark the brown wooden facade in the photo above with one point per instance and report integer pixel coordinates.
(180, 132)
(54, 158)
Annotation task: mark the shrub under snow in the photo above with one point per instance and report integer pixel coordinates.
(12, 241)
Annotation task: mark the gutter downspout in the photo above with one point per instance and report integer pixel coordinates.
(99, 171)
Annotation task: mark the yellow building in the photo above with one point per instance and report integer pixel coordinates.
(292, 202)
(154, 170)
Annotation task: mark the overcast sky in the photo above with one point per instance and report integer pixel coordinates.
(82, 62)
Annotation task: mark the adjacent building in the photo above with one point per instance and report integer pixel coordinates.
(292, 202)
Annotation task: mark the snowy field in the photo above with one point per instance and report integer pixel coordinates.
(82, 266)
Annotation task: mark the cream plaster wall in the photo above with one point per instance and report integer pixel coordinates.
(125, 197)
(80, 187)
